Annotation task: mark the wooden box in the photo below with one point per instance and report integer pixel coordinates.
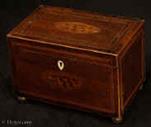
(78, 59)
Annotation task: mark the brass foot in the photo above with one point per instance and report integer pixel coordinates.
(21, 98)
(117, 120)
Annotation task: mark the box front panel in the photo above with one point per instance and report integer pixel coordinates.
(55, 76)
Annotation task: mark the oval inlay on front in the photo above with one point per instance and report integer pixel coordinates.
(76, 27)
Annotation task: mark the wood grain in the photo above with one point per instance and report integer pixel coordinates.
(102, 57)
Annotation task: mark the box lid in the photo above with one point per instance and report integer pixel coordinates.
(77, 29)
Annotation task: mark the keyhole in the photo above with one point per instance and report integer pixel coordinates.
(60, 64)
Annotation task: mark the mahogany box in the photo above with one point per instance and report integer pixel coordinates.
(77, 59)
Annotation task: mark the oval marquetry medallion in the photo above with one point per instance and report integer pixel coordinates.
(76, 27)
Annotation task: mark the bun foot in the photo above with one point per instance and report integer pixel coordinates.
(117, 120)
(21, 98)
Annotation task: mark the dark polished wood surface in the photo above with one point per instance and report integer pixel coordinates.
(78, 58)
(77, 29)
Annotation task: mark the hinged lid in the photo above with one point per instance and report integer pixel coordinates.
(77, 29)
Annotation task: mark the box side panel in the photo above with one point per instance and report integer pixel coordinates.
(132, 64)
